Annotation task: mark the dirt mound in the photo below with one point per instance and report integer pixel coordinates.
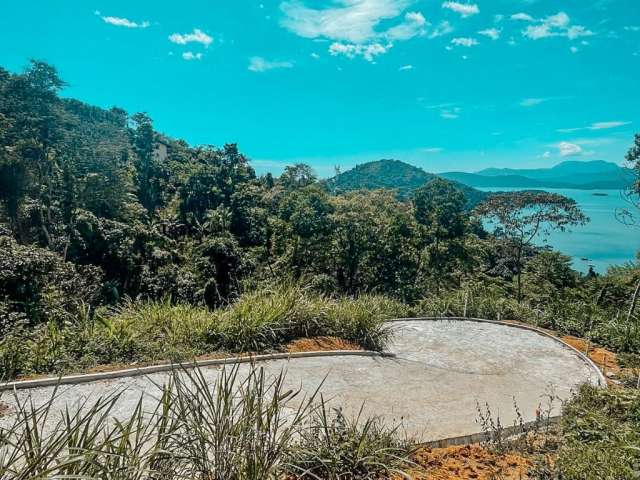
(315, 344)
(468, 462)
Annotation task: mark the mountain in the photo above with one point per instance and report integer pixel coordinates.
(591, 175)
(392, 174)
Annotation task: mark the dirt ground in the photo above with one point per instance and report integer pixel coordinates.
(320, 344)
(467, 462)
(603, 358)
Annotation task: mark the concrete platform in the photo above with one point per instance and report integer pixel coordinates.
(442, 369)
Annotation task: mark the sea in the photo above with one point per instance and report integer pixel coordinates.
(605, 240)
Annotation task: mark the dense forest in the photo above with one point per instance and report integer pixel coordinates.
(120, 244)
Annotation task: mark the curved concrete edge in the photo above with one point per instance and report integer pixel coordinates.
(602, 380)
(165, 367)
(480, 437)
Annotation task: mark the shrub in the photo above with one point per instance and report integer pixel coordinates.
(601, 435)
(334, 447)
(39, 286)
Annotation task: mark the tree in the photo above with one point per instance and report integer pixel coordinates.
(439, 209)
(143, 139)
(632, 193)
(297, 176)
(305, 216)
(520, 217)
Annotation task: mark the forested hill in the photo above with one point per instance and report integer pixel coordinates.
(392, 174)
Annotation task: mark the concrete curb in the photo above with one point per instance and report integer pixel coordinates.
(602, 380)
(480, 437)
(165, 367)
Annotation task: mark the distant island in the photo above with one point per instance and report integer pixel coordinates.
(393, 175)
(589, 175)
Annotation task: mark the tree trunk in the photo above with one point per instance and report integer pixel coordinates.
(634, 301)
(519, 273)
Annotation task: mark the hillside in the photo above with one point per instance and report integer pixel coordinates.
(392, 174)
(591, 175)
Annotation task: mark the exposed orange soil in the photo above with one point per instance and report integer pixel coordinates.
(467, 462)
(315, 344)
(603, 358)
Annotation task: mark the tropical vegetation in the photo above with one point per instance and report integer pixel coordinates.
(119, 244)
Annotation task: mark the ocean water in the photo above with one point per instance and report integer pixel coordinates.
(602, 242)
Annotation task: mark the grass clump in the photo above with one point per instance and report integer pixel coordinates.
(150, 331)
(334, 447)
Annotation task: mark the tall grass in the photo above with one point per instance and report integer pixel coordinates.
(240, 428)
(334, 447)
(144, 331)
(600, 437)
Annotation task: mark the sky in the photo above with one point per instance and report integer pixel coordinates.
(443, 85)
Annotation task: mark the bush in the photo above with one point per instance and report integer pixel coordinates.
(39, 286)
(601, 435)
(334, 447)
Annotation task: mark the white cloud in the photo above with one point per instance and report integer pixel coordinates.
(632, 28)
(315, 56)
(558, 25)
(450, 113)
(352, 50)
(595, 126)
(432, 150)
(607, 125)
(574, 49)
(492, 33)
(259, 64)
(197, 36)
(443, 28)
(354, 21)
(567, 149)
(413, 26)
(532, 102)
(464, 42)
(406, 67)
(123, 22)
(546, 154)
(353, 25)
(525, 17)
(464, 9)
(192, 56)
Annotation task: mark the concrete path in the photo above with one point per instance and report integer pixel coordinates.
(441, 371)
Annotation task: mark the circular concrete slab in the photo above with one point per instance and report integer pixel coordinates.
(443, 369)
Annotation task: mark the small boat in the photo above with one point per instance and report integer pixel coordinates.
(600, 194)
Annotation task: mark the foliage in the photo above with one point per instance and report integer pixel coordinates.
(38, 286)
(259, 321)
(600, 438)
(334, 447)
(520, 217)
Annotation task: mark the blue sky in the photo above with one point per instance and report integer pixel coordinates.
(443, 85)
